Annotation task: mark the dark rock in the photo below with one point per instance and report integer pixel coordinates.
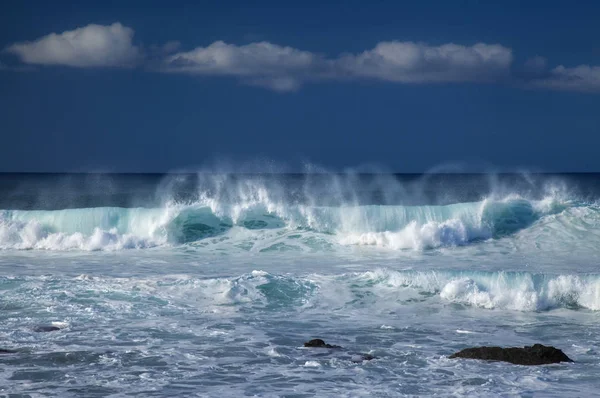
(536, 354)
(43, 329)
(318, 343)
(4, 351)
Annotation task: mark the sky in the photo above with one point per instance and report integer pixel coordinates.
(157, 86)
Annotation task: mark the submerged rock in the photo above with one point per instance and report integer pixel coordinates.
(536, 354)
(362, 357)
(43, 329)
(356, 358)
(318, 343)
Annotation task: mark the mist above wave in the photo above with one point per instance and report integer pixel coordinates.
(316, 187)
(312, 211)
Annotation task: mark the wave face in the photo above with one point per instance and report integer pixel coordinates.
(300, 213)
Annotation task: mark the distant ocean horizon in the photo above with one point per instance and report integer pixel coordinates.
(209, 283)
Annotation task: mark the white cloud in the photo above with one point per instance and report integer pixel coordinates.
(264, 63)
(248, 60)
(90, 46)
(285, 68)
(408, 62)
(583, 78)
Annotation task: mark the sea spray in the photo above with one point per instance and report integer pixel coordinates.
(397, 227)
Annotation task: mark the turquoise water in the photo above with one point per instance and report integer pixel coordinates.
(214, 294)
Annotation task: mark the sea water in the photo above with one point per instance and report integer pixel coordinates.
(208, 284)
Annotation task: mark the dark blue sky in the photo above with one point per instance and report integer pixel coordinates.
(143, 109)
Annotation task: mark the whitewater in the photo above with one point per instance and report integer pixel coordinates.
(207, 284)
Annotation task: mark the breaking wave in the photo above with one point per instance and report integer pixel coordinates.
(391, 226)
(520, 291)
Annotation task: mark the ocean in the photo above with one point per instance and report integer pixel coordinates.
(208, 284)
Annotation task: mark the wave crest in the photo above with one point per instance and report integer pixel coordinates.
(395, 227)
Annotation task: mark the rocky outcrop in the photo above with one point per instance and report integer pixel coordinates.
(536, 354)
(5, 351)
(318, 343)
(45, 329)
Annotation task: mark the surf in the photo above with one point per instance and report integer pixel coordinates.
(392, 226)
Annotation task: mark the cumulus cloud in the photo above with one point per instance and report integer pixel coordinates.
(582, 78)
(408, 62)
(90, 46)
(265, 64)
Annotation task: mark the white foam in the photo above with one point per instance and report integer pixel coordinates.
(312, 364)
(272, 352)
(489, 290)
(33, 235)
(414, 236)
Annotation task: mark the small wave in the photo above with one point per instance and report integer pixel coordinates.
(519, 291)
